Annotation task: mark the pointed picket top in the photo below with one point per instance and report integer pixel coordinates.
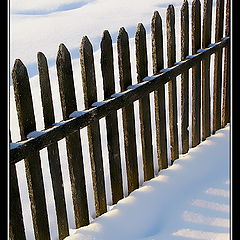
(23, 98)
(140, 34)
(42, 64)
(63, 60)
(171, 46)
(196, 23)
(170, 9)
(106, 44)
(86, 45)
(156, 19)
(41, 57)
(171, 19)
(122, 31)
(66, 82)
(196, 4)
(157, 42)
(19, 73)
(63, 54)
(184, 30)
(156, 23)
(124, 59)
(196, 8)
(184, 5)
(141, 52)
(185, 11)
(122, 35)
(19, 69)
(140, 29)
(170, 16)
(107, 64)
(106, 36)
(46, 93)
(88, 72)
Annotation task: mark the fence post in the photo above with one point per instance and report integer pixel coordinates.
(27, 124)
(90, 96)
(73, 141)
(111, 119)
(217, 84)
(16, 226)
(159, 95)
(127, 111)
(185, 77)
(206, 40)
(172, 91)
(196, 73)
(53, 152)
(226, 77)
(144, 103)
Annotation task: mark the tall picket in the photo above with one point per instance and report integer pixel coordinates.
(159, 94)
(33, 168)
(90, 96)
(73, 141)
(172, 88)
(144, 103)
(128, 111)
(111, 119)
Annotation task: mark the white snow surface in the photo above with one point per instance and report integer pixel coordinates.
(190, 199)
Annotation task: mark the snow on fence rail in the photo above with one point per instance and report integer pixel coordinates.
(73, 120)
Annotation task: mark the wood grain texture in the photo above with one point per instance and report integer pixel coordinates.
(185, 78)
(16, 225)
(159, 94)
(226, 77)
(111, 119)
(53, 152)
(73, 141)
(127, 111)
(90, 96)
(206, 40)
(196, 74)
(172, 88)
(144, 103)
(217, 84)
(45, 137)
(26, 118)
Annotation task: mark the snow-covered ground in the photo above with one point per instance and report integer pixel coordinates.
(189, 200)
(42, 26)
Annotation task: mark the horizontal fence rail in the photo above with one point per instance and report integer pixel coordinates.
(162, 82)
(37, 140)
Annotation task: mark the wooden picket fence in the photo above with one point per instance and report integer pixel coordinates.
(73, 120)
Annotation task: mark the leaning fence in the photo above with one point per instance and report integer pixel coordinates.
(33, 141)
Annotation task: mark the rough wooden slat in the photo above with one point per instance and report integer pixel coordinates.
(185, 78)
(90, 96)
(172, 89)
(127, 111)
(206, 40)
(159, 95)
(217, 84)
(226, 77)
(81, 119)
(111, 119)
(53, 152)
(16, 226)
(73, 141)
(34, 176)
(144, 103)
(196, 74)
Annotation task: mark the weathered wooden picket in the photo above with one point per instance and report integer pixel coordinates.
(28, 147)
